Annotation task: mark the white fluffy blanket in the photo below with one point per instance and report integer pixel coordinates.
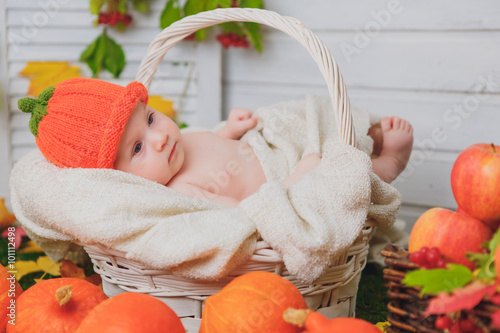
(310, 224)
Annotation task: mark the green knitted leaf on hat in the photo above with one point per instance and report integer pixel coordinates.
(37, 108)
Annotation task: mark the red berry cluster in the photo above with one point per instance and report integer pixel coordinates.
(113, 18)
(458, 326)
(428, 258)
(232, 39)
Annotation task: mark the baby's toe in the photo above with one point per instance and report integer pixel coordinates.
(385, 124)
(396, 123)
(407, 126)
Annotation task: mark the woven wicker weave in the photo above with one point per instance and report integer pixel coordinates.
(407, 307)
(334, 293)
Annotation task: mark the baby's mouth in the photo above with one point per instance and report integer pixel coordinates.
(172, 152)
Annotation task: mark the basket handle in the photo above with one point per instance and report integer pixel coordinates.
(178, 30)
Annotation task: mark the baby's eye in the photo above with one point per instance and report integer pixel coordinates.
(137, 148)
(150, 119)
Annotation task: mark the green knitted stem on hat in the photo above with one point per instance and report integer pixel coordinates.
(37, 108)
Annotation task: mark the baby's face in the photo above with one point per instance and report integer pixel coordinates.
(150, 146)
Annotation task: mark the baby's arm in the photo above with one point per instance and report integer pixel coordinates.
(195, 191)
(306, 164)
(238, 122)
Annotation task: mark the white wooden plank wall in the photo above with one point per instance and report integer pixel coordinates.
(435, 63)
(5, 157)
(59, 30)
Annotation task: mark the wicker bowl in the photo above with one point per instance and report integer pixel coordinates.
(334, 293)
(407, 306)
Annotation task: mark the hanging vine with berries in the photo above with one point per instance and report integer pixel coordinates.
(105, 53)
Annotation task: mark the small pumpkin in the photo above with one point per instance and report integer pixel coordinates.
(129, 313)
(55, 305)
(252, 302)
(9, 291)
(315, 322)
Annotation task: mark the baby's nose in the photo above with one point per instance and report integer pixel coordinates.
(159, 139)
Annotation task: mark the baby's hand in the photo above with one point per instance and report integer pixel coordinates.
(238, 122)
(306, 164)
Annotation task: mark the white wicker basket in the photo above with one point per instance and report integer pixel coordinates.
(334, 293)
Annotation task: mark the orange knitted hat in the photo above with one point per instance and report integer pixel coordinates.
(78, 123)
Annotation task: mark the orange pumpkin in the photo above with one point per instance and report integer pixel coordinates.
(9, 291)
(252, 302)
(315, 322)
(129, 313)
(55, 305)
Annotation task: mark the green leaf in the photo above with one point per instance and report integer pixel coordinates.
(486, 264)
(212, 4)
(100, 54)
(104, 51)
(89, 51)
(488, 270)
(89, 55)
(200, 34)
(95, 6)
(494, 241)
(192, 7)
(122, 6)
(114, 60)
(252, 3)
(479, 258)
(252, 31)
(170, 14)
(434, 281)
(141, 6)
(232, 27)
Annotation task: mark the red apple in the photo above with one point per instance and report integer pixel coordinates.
(452, 233)
(493, 225)
(475, 181)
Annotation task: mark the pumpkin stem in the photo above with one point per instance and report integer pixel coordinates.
(296, 317)
(493, 147)
(63, 295)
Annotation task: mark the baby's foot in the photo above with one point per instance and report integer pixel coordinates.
(397, 143)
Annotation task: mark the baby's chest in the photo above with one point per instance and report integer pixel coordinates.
(213, 161)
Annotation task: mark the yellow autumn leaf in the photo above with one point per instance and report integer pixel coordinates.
(44, 74)
(48, 265)
(23, 268)
(163, 105)
(6, 217)
(383, 326)
(30, 247)
(43, 263)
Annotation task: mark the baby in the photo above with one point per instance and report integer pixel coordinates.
(95, 124)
